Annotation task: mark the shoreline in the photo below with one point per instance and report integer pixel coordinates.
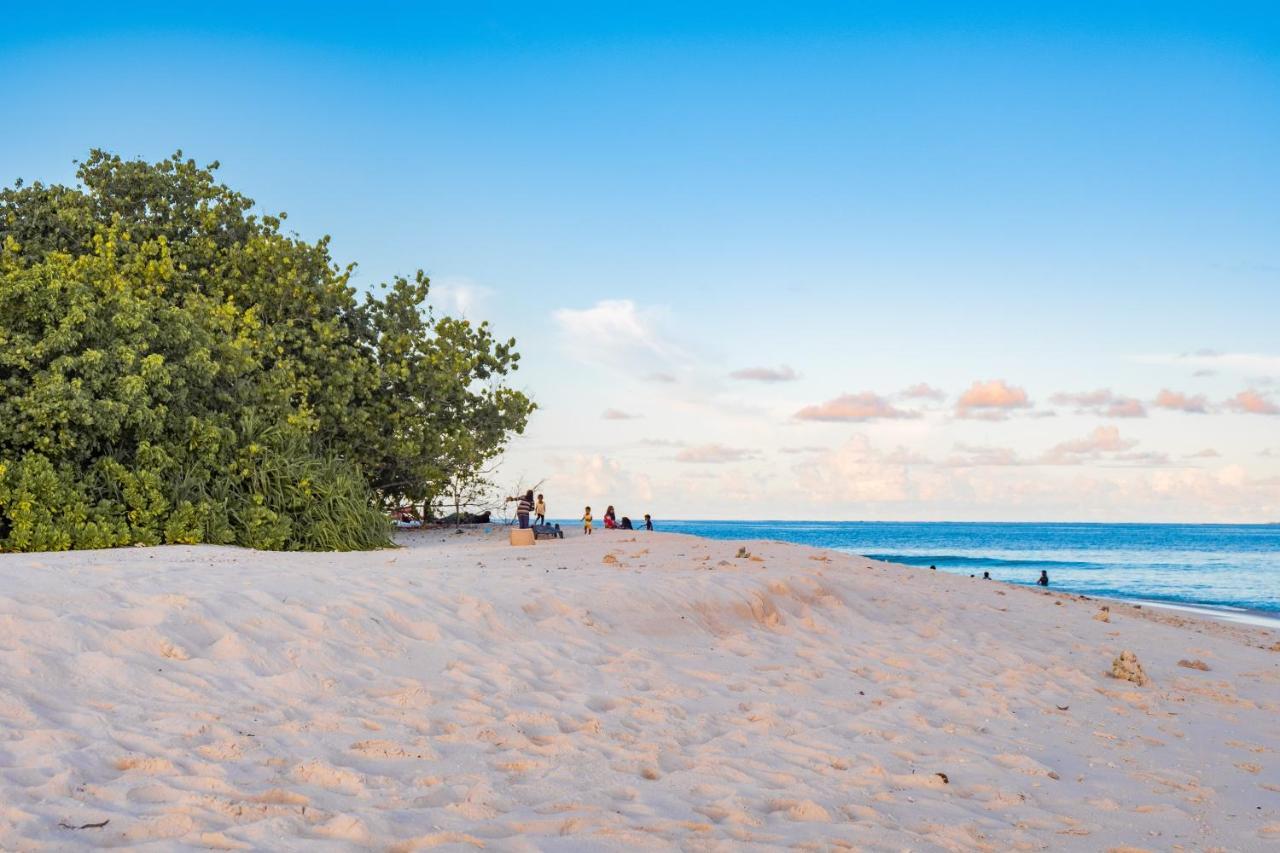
(963, 563)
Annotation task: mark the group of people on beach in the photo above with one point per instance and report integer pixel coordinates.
(611, 521)
(527, 505)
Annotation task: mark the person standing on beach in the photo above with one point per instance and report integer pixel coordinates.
(540, 511)
(648, 522)
(586, 521)
(524, 505)
(1044, 578)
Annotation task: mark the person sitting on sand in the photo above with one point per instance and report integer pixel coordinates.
(1044, 578)
(524, 506)
(648, 522)
(986, 576)
(626, 524)
(586, 521)
(610, 518)
(540, 511)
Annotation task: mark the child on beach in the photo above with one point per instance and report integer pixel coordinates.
(586, 521)
(648, 522)
(540, 510)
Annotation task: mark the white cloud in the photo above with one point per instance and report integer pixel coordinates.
(977, 456)
(713, 454)
(662, 442)
(766, 374)
(922, 391)
(1253, 364)
(460, 297)
(618, 415)
(617, 333)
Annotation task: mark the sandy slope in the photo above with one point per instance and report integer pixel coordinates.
(469, 694)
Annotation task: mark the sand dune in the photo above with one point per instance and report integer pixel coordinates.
(614, 691)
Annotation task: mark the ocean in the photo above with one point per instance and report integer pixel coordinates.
(1231, 567)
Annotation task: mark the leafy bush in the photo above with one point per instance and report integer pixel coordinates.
(174, 368)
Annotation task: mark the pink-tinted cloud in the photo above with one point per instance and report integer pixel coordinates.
(618, 415)
(713, 454)
(854, 407)
(1250, 402)
(1103, 439)
(991, 400)
(1102, 402)
(1180, 402)
(765, 374)
(1207, 453)
(923, 391)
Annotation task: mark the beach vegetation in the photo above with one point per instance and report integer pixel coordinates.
(177, 368)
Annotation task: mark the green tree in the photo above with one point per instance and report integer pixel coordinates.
(175, 368)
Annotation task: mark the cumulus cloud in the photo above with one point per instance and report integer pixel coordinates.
(1250, 402)
(1179, 402)
(713, 454)
(922, 391)
(1101, 402)
(615, 331)
(618, 415)
(765, 374)
(854, 407)
(992, 400)
(1103, 440)
(459, 297)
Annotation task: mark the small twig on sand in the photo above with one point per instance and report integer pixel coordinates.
(85, 825)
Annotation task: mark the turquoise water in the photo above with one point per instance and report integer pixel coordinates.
(1220, 565)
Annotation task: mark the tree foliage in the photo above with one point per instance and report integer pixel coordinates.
(176, 368)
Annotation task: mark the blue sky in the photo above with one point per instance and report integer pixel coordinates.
(860, 197)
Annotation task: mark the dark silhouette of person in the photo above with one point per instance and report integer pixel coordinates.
(986, 576)
(933, 568)
(1044, 578)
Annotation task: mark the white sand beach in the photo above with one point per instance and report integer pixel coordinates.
(617, 691)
